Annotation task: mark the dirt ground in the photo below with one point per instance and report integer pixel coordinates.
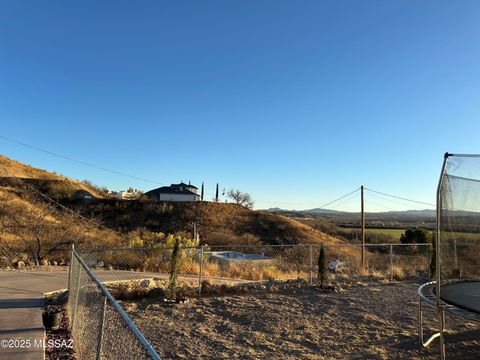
(376, 321)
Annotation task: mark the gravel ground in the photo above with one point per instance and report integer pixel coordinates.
(61, 334)
(375, 321)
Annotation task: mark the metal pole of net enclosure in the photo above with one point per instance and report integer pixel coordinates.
(438, 257)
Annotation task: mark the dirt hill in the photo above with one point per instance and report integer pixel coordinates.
(217, 223)
(16, 174)
(33, 229)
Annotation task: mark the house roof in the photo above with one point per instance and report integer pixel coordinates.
(180, 189)
(183, 184)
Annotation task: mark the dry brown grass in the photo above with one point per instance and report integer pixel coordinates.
(247, 271)
(24, 218)
(15, 169)
(398, 273)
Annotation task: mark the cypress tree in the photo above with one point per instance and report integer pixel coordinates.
(202, 191)
(216, 194)
(173, 268)
(322, 266)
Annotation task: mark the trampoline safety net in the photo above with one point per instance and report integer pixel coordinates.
(459, 226)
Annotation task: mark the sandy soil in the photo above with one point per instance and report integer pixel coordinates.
(377, 321)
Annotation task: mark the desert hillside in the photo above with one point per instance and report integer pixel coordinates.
(16, 174)
(32, 225)
(33, 230)
(217, 223)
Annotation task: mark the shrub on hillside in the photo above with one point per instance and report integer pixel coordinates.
(59, 190)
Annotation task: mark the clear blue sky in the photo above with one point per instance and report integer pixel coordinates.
(295, 102)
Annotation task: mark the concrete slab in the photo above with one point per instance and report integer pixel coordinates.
(21, 307)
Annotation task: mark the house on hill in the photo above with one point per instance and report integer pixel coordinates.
(174, 192)
(130, 194)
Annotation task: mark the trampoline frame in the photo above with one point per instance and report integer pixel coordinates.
(425, 291)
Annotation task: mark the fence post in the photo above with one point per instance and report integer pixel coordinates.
(77, 293)
(311, 264)
(101, 330)
(70, 269)
(200, 273)
(391, 262)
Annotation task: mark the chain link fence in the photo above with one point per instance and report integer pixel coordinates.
(230, 264)
(100, 327)
(102, 330)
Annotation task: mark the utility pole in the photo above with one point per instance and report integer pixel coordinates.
(194, 230)
(362, 228)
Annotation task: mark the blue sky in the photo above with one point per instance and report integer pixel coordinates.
(295, 102)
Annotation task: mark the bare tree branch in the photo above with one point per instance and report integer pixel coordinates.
(240, 198)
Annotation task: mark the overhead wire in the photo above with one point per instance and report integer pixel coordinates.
(338, 199)
(347, 200)
(376, 204)
(399, 197)
(81, 161)
(397, 202)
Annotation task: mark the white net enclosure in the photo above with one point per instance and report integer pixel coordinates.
(458, 231)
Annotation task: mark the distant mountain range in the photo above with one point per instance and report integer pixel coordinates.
(408, 213)
(466, 220)
(336, 213)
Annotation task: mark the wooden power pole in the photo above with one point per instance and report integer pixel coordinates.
(362, 228)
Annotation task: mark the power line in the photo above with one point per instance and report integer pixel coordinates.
(80, 161)
(304, 203)
(340, 198)
(347, 201)
(376, 204)
(399, 197)
(397, 202)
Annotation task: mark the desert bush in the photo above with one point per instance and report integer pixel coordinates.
(131, 289)
(142, 237)
(119, 260)
(398, 273)
(59, 190)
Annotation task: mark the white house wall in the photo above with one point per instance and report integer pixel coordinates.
(177, 197)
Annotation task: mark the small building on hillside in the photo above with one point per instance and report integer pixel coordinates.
(130, 194)
(174, 192)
